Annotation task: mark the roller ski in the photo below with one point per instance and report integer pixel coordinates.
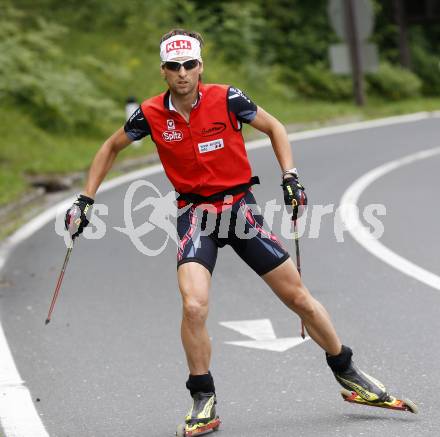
(391, 402)
(201, 418)
(360, 388)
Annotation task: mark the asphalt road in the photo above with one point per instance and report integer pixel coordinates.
(111, 363)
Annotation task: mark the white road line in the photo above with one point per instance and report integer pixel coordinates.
(350, 127)
(18, 415)
(361, 234)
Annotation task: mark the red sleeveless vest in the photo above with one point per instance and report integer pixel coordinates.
(206, 155)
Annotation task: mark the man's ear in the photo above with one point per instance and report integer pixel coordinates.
(162, 71)
(201, 67)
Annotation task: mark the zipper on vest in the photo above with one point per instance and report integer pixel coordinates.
(188, 125)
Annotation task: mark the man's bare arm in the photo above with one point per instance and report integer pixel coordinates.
(268, 124)
(103, 161)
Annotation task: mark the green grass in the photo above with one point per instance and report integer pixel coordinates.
(26, 150)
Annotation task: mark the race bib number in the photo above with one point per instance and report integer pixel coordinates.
(210, 146)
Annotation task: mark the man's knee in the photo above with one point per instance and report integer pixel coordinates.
(195, 310)
(302, 302)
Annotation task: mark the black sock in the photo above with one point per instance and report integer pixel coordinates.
(341, 362)
(200, 383)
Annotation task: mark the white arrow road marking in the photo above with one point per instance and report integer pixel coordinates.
(277, 345)
(261, 330)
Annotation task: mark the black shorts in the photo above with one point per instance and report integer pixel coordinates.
(241, 226)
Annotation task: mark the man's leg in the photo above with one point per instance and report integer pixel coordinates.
(266, 256)
(194, 283)
(286, 283)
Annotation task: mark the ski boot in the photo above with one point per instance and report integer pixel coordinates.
(363, 389)
(201, 418)
(367, 387)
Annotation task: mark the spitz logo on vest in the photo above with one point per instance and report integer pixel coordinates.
(179, 44)
(170, 124)
(172, 135)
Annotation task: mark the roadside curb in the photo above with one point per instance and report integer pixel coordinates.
(37, 199)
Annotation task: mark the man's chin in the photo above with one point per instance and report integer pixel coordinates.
(183, 90)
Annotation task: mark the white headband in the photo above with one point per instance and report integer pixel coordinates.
(180, 46)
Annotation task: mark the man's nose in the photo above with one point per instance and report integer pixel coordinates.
(182, 71)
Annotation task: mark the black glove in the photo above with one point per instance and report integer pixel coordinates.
(294, 194)
(77, 215)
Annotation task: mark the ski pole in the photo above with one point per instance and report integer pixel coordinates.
(59, 282)
(298, 266)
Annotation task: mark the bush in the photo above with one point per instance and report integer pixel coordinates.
(394, 83)
(33, 74)
(318, 82)
(427, 67)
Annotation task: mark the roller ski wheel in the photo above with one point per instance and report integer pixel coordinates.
(185, 430)
(391, 402)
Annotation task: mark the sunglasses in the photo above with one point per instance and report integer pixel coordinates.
(175, 66)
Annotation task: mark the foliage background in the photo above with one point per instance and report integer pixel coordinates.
(66, 68)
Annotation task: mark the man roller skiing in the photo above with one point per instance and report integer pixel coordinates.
(197, 131)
